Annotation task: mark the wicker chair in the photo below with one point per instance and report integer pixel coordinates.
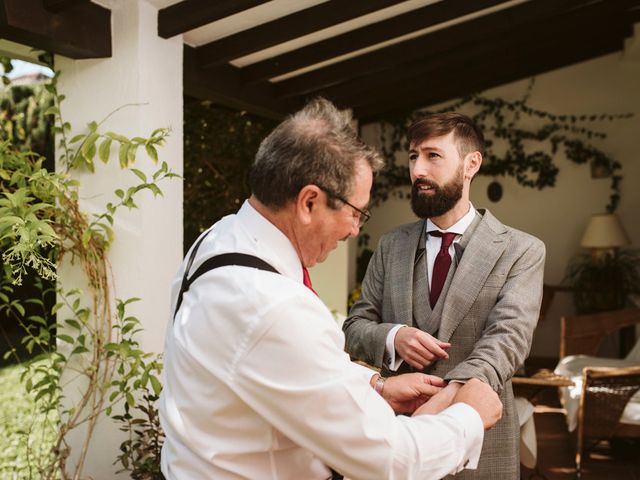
(605, 391)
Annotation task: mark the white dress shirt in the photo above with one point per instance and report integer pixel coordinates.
(257, 384)
(432, 248)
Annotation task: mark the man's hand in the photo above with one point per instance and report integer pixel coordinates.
(440, 401)
(407, 392)
(482, 399)
(418, 348)
(475, 393)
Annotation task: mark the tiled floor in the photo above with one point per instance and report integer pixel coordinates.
(556, 454)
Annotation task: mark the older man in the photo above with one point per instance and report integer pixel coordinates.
(257, 384)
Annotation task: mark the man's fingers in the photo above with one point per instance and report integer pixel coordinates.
(417, 362)
(420, 356)
(435, 381)
(442, 344)
(428, 390)
(430, 344)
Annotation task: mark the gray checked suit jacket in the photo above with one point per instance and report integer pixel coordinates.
(487, 310)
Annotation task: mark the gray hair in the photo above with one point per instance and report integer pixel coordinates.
(315, 146)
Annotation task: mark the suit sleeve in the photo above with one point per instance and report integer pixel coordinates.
(365, 333)
(508, 331)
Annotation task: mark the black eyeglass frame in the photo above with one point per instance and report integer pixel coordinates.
(364, 215)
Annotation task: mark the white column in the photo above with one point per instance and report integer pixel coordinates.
(145, 70)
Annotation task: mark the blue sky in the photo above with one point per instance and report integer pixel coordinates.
(22, 68)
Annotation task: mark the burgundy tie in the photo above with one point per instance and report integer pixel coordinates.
(440, 266)
(306, 279)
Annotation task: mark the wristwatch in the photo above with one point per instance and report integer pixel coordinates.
(379, 385)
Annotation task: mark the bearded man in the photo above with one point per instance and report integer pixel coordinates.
(456, 294)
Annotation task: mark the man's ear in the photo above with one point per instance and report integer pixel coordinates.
(307, 202)
(472, 164)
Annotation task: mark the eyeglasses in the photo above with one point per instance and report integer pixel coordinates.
(363, 215)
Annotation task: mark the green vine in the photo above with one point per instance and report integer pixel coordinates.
(43, 227)
(512, 147)
(219, 147)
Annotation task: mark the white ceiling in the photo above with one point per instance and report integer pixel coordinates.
(279, 8)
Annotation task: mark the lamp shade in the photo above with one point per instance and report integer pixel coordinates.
(604, 231)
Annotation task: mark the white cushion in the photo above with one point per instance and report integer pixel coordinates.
(572, 366)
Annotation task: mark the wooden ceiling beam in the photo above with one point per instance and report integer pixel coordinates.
(190, 14)
(57, 6)
(224, 85)
(363, 37)
(558, 31)
(283, 29)
(83, 30)
(475, 78)
(498, 24)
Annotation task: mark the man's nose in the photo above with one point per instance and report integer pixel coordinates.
(420, 168)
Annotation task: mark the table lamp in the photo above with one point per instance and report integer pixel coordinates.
(604, 234)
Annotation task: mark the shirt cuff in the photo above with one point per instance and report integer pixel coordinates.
(473, 432)
(390, 360)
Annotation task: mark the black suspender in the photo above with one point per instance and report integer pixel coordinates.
(226, 259)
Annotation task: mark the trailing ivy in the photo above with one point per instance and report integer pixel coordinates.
(521, 142)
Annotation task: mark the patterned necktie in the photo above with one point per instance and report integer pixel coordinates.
(440, 266)
(306, 279)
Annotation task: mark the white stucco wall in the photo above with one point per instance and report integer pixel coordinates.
(558, 216)
(146, 71)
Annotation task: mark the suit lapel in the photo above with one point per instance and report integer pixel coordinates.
(420, 289)
(407, 248)
(483, 246)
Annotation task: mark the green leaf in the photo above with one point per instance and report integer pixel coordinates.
(89, 143)
(86, 237)
(105, 150)
(123, 154)
(139, 174)
(37, 319)
(19, 308)
(73, 323)
(66, 338)
(56, 307)
(155, 189)
(116, 137)
(156, 385)
(152, 152)
(131, 154)
(53, 110)
(79, 349)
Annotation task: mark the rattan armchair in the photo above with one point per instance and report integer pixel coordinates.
(605, 391)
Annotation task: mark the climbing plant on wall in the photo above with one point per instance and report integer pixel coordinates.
(219, 146)
(521, 142)
(87, 339)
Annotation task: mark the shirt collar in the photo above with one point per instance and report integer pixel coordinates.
(272, 246)
(460, 226)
